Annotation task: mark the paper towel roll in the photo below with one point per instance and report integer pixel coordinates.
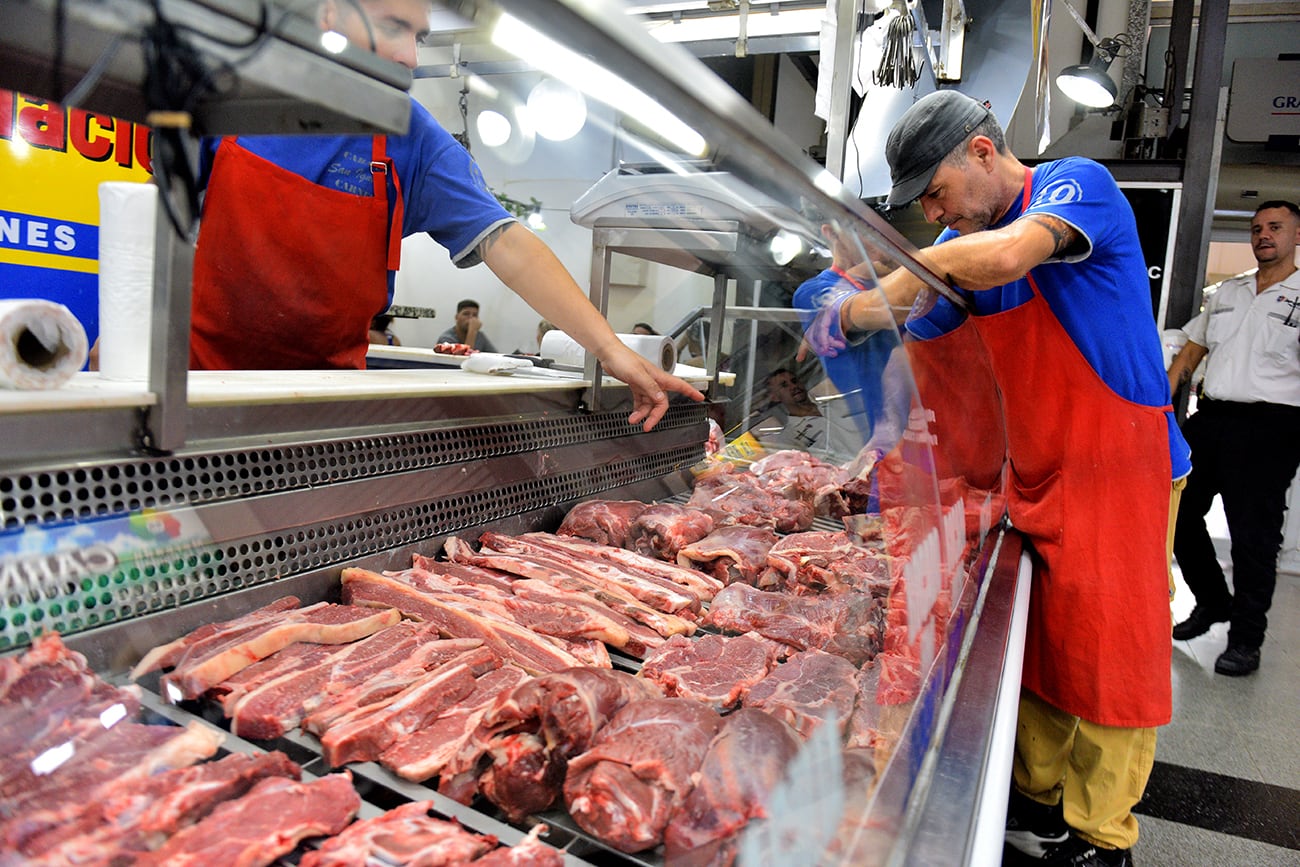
(41, 344)
(658, 349)
(127, 214)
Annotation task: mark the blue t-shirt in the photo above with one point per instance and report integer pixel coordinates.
(443, 191)
(1096, 294)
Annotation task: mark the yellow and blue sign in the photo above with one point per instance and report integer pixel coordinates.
(52, 161)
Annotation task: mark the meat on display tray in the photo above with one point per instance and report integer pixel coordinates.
(186, 700)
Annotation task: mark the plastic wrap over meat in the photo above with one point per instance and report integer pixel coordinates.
(626, 787)
(743, 764)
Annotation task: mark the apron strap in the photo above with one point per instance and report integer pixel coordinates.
(381, 167)
(844, 275)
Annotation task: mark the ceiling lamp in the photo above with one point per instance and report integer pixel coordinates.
(1089, 84)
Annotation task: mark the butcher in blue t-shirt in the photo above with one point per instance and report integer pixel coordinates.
(300, 235)
(1049, 263)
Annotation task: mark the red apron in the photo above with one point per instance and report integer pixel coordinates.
(289, 273)
(1089, 486)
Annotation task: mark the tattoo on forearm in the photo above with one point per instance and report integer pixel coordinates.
(490, 239)
(1063, 233)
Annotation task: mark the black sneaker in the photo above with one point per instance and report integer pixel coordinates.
(1197, 623)
(1033, 828)
(1237, 661)
(1078, 852)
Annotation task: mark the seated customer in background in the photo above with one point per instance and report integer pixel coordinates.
(468, 328)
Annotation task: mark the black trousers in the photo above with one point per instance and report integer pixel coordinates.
(1247, 453)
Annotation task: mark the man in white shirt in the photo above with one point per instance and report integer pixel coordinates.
(1245, 437)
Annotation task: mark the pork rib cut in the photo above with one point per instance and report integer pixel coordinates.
(324, 623)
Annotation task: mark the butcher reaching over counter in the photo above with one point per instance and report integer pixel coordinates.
(301, 235)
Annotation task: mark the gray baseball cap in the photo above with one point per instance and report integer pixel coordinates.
(925, 134)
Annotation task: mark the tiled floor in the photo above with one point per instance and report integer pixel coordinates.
(1245, 732)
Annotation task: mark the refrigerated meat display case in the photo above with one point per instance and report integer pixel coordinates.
(122, 538)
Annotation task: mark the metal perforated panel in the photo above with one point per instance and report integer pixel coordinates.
(107, 488)
(71, 592)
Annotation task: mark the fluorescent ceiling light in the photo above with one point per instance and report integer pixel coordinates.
(594, 80)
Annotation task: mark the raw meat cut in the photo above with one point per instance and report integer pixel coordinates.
(530, 733)
(701, 585)
(797, 475)
(659, 593)
(535, 653)
(808, 689)
(849, 624)
(366, 732)
(352, 675)
(745, 762)
(625, 788)
(638, 638)
(663, 530)
(50, 697)
(294, 658)
(604, 522)
(560, 571)
(95, 763)
(168, 655)
(464, 574)
(378, 686)
(139, 815)
(561, 614)
(404, 835)
(818, 561)
(731, 554)
(424, 753)
(528, 852)
(744, 501)
(900, 676)
(716, 669)
(264, 824)
(204, 666)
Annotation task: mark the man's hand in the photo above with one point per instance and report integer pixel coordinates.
(648, 384)
(824, 325)
(472, 326)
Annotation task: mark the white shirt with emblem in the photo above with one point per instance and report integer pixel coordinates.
(1254, 341)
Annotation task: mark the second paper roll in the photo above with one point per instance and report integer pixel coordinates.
(658, 349)
(127, 212)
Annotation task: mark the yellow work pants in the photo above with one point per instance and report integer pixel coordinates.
(1175, 495)
(1097, 773)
